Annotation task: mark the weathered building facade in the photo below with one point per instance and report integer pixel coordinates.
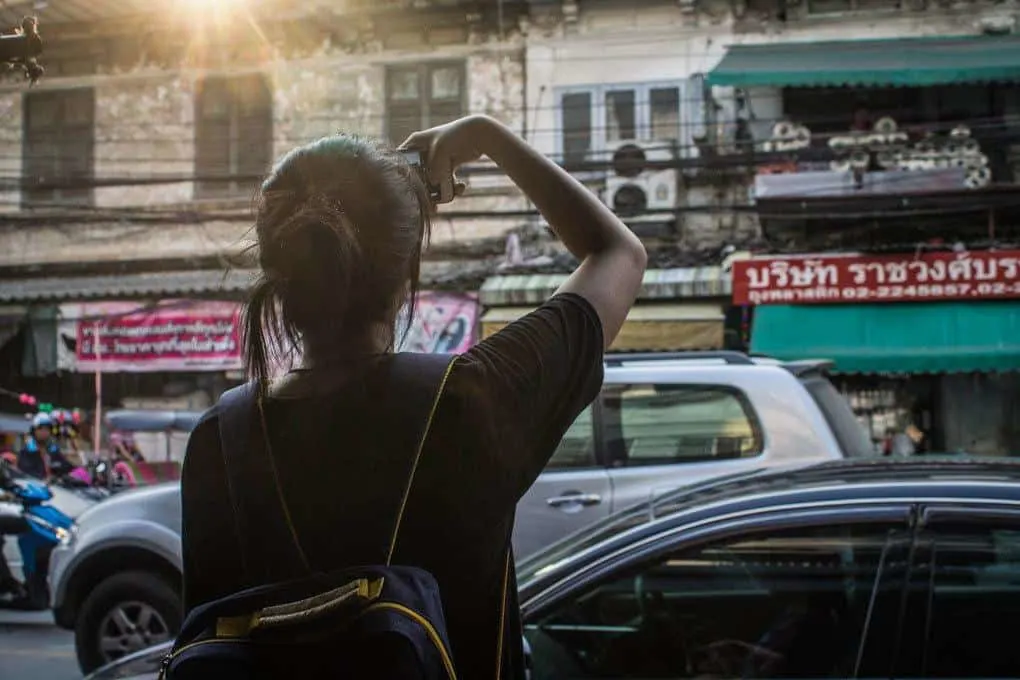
(129, 170)
(131, 110)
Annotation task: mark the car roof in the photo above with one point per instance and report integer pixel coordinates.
(841, 477)
(848, 479)
(138, 420)
(717, 358)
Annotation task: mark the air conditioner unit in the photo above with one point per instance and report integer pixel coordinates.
(643, 176)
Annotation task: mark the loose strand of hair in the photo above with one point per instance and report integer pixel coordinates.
(414, 275)
(265, 334)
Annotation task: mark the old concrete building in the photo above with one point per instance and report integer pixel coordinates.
(606, 75)
(128, 170)
(602, 74)
(615, 92)
(130, 105)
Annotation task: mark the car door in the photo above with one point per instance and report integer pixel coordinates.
(662, 436)
(572, 492)
(794, 597)
(969, 560)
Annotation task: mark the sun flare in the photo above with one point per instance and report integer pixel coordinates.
(217, 10)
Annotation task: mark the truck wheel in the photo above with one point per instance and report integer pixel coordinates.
(123, 614)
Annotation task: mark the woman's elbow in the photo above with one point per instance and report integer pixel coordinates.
(638, 254)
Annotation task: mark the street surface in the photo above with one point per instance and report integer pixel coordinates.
(33, 648)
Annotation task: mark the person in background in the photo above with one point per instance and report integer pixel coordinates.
(887, 441)
(40, 451)
(341, 226)
(11, 589)
(861, 121)
(124, 446)
(908, 442)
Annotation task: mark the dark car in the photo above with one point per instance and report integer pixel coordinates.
(871, 568)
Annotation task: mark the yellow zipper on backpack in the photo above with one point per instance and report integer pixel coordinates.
(430, 631)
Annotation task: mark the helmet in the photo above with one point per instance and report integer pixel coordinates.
(42, 420)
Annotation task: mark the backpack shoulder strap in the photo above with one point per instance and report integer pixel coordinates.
(260, 509)
(422, 379)
(252, 482)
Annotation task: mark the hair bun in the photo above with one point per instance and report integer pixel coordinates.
(315, 249)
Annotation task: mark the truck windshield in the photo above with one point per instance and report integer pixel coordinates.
(852, 437)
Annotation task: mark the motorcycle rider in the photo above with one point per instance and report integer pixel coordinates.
(125, 447)
(41, 456)
(11, 589)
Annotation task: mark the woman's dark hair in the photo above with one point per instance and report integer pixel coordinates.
(340, 224)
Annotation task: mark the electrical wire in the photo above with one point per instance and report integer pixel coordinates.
(173, 218)
(508, 113)
(1000, 127)
(998, 124)
(735, 160)
(157, 213)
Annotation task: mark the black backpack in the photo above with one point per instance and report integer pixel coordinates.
(368, 622)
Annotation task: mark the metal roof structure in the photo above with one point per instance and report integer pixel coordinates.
(68, 11)
(155, 284)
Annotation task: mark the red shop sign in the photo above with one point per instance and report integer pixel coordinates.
(981, 275)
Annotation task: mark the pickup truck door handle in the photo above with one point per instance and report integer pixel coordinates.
(574, 499)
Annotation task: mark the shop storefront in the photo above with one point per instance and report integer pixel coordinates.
(930, 339)
(147, 352)
(678, 309)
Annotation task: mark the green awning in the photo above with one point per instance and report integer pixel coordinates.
(910, 62)
(676, 283)
(934, 337)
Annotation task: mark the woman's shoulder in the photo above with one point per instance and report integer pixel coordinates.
(562, 320)
(200, 457)
(563, 330)
(555, 348)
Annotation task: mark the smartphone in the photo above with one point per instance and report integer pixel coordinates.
(415, 160)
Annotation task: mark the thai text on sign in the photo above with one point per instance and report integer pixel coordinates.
(982, 275)
(170, 336)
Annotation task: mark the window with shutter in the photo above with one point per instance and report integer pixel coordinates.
(233, 135)
(595, 118)
(58, 148)
(255, 130)
(420, 96)
(577, 126)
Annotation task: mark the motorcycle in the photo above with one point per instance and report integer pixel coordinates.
(85, 483)
(39, 527)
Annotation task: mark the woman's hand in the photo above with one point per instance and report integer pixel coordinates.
(444, 148)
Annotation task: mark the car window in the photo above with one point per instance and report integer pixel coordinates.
(851, 436)
(577, 448)
(790, 604)
(975, 578)
(662, 424)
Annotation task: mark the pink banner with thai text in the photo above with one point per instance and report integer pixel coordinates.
(173, 335)
(975, 275)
